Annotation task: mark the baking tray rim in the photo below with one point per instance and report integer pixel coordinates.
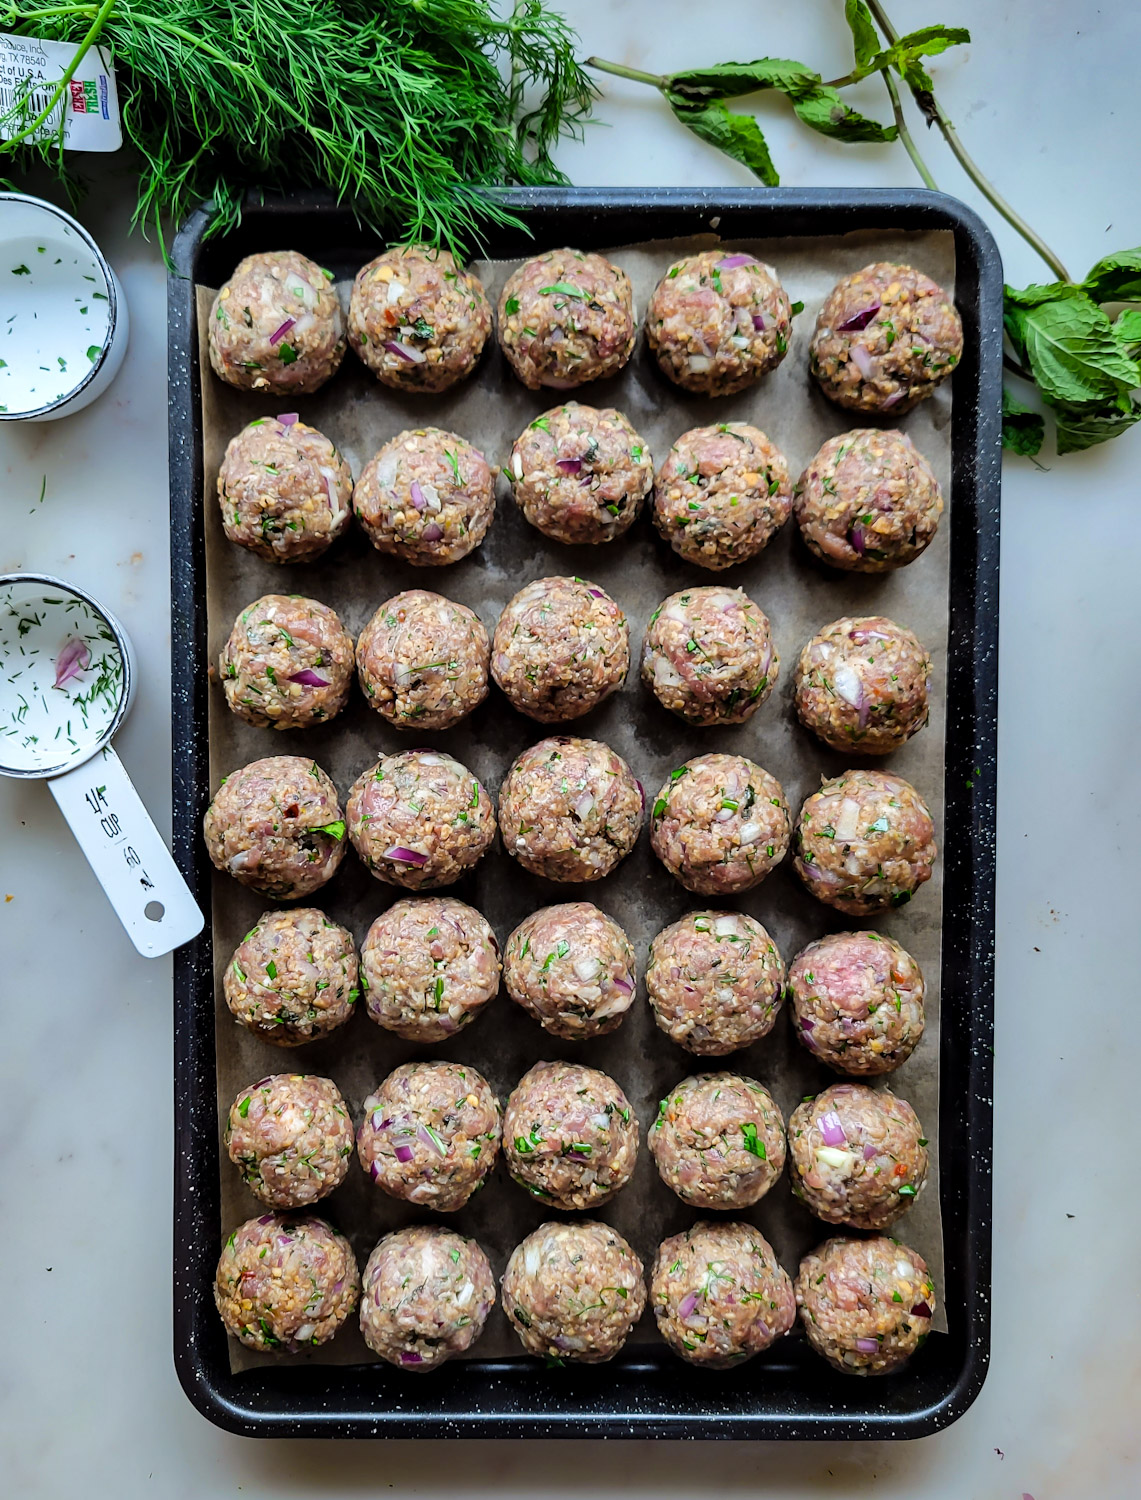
(275, 1402)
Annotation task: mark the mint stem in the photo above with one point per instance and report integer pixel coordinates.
(655, 80)
(905, 135)
(932, 109)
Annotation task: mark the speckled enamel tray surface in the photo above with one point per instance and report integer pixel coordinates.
(646, 1391)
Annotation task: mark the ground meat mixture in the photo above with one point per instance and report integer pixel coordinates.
(284, 1281)
(718, 321)
(864, 841)
(291, 1137)
(427, 497)
(417, 320)
(426, 1296)
(423, 660)
(276, 825)
(859, 1156)
(718, 1141)
(885, 337)
(293, 978)
(561, 646)
(580, 475)
(284, 490)
(715, 981)
(572, 968)
(866, 1305)
(430, 1134)
(288, 663)
(720, 1295)
(430, 965)
(570, 809)
(708, 656)
(574, 1292)
(570, 1136)
(722, 494)
(857, 1002)
(277, 325)
(419, 819)
(566, 318)
(720, 824)
(862, 684)
(868, 502)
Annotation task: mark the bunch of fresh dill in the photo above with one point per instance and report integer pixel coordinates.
(402, 108)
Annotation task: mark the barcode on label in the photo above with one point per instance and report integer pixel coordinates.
(18, 110)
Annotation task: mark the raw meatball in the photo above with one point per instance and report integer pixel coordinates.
(277, 325)
(720, 1295)
(422, 661)
(570, 809)
(572, 968)
(284, 490)
(864, 841)
(720, 824)
(560, 648)
(417, 320)
(574, 1291)
(291, 1137)
(579, 474)
(861, 684)
(276, 825)
(430, 963)
(427, 497)
(285, 1280)
(708, 656)
(570, 1136)
(885, 337)
(718, 1141)
(857, 1001)
(868, 502)
(722, 494)
(430, 1134)
(858, 1156)
(288, 663)
(715, 981)
(866, 1305)
(718, 321)
(419, 819)
(565, 318)
(293, 978)
(426, 1296)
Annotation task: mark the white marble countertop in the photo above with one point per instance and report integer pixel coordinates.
(1047, 98)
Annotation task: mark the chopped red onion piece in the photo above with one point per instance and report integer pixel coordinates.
(806, 1025)
(267, 1218)
(417, 495)
(759, 322)
(73, 659)
(288, 418)
(406, 352)
(868, 1346)
(869, 1152)
(403, 1153)
(624, 985)
(568, 465)
(688, 1303)
(862, 360)
(856, 537)
(764, 1329)
(308, 678)
(430, 1139)
(832, 1130)
(279, 333)
(859, 319)
(410, 1357)
(432, 532)
(404, 856)
(731, 262)
(596, 593)
(921, 1310)
(889, 401)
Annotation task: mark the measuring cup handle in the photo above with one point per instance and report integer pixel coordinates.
(127, 854)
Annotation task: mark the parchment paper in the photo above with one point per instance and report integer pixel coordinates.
(799, 596)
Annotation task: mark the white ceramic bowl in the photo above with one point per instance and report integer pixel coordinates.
(64, 323)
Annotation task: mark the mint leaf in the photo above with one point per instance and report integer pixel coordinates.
(739, 136)
(732, 80)
(1022, 429)
(1078, 430)
(865, 37)
(824, 110)
(1035, 294)
(1074, 355)
(1116, 278)
(1127, 331)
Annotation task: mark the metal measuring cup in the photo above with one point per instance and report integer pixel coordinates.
(67, 679)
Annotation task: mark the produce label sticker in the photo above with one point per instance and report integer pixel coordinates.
(30, 72)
